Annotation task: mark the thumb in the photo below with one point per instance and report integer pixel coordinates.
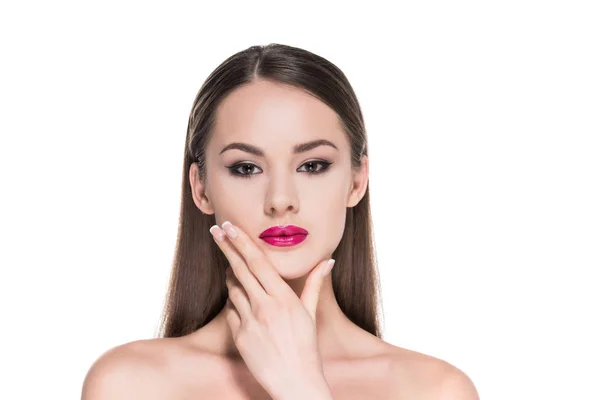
(312, 286)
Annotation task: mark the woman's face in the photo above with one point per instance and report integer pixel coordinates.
(281, 186)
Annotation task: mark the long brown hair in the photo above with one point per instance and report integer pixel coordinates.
(197, 290)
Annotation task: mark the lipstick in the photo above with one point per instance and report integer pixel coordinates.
(284, 235)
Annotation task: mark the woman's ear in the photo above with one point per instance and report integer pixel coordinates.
(360, 180)
(199, 191)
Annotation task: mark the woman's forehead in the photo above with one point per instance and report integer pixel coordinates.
(267, 109)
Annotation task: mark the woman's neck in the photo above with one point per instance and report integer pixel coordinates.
(337, 337)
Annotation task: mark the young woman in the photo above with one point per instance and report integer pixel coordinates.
(275, 184)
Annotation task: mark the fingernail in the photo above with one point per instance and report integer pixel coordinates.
(328, 267)
(228, 228)
(217, 234)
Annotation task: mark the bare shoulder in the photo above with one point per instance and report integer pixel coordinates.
(138, 369)
(422, 376)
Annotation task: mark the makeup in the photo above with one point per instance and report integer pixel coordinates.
(284, 240)
(284, 235)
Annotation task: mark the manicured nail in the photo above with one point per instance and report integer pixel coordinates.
(228, 228)
(217, 234)
(328, 267)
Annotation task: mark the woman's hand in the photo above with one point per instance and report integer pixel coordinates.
(274, 330)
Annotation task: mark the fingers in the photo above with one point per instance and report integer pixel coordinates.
(239, 267)
(238, 297)
(312, 287)
(258, 273)
(233, 318)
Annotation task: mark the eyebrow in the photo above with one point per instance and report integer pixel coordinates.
(299, 148)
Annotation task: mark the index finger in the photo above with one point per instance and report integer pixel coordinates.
(257, 263)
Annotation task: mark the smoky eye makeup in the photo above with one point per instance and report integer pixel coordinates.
(247, 169)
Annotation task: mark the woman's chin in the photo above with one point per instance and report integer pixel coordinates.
(292, 271)
(292, 264)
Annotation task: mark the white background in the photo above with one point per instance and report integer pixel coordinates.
(483, 123)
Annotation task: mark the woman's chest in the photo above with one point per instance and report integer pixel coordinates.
(346, 381)
(343, 389)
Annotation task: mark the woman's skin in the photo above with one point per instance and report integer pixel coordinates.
(280, 191)
(275, 118)
(206, 363)
(273, 327)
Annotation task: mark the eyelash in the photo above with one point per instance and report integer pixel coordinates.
(324, 168)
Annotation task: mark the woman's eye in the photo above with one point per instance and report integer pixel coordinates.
(312, 168)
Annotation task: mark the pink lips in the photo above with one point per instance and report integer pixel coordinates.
(287, 235)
